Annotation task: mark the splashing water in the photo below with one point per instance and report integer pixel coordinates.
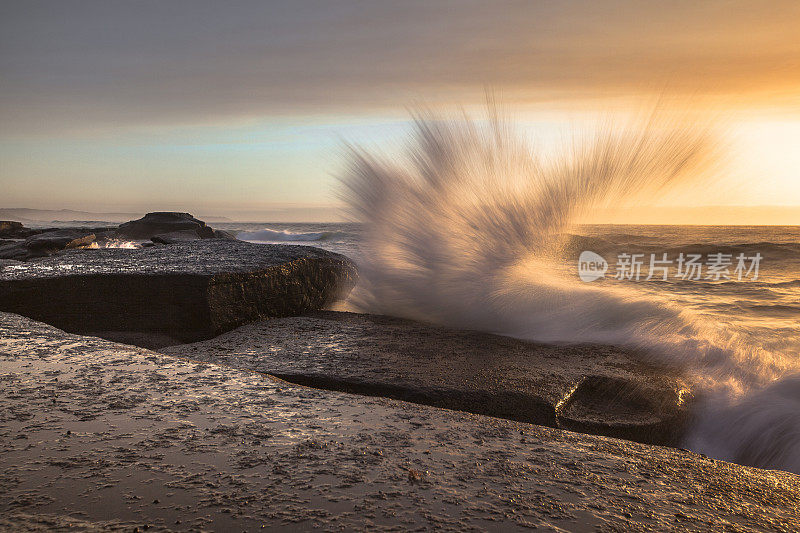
(114, 243)
(467, 230)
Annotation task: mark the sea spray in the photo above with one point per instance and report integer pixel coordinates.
(467, 229)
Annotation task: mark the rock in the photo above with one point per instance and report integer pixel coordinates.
(102, 237)
(47, 243)
(136, 414)
(614, 406)
(188, 235)
(169, 228)
(162, 223)
(8, 227)
(14, 230)
(222, 234)
(595, 389)
(15, 251)
(53, 241)
(43, 242)
(183, 292)
(175, 237)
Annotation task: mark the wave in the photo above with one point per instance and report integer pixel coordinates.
(766, 249)
(273, 235)
(787, 284)
(776, 309)
(761, 429)
(470, 227)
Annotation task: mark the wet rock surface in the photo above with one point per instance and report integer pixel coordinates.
(99, 436)
(591, 388)
(177, 293)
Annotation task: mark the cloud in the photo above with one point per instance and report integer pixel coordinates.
(73, 65)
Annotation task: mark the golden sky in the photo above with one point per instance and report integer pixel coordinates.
(223, 106)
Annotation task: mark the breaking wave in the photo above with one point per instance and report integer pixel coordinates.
(470, 229)
(273, 235)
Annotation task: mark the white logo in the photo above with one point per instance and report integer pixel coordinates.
(660, 267)
(591, 266)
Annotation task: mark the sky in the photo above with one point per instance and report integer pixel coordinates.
(242, 108)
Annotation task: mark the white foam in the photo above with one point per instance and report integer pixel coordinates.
(272, 235)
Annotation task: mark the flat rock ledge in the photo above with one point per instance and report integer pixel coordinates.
(182, 292)
(594, 389)
(96, 436)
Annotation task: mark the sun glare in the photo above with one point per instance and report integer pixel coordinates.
(770, 155)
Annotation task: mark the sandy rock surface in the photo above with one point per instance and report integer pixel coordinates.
(96, 435)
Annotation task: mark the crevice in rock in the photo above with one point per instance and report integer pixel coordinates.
(509, 405)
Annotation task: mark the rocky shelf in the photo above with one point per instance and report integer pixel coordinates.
(167, 294)
(595, 389)
(97, 436)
